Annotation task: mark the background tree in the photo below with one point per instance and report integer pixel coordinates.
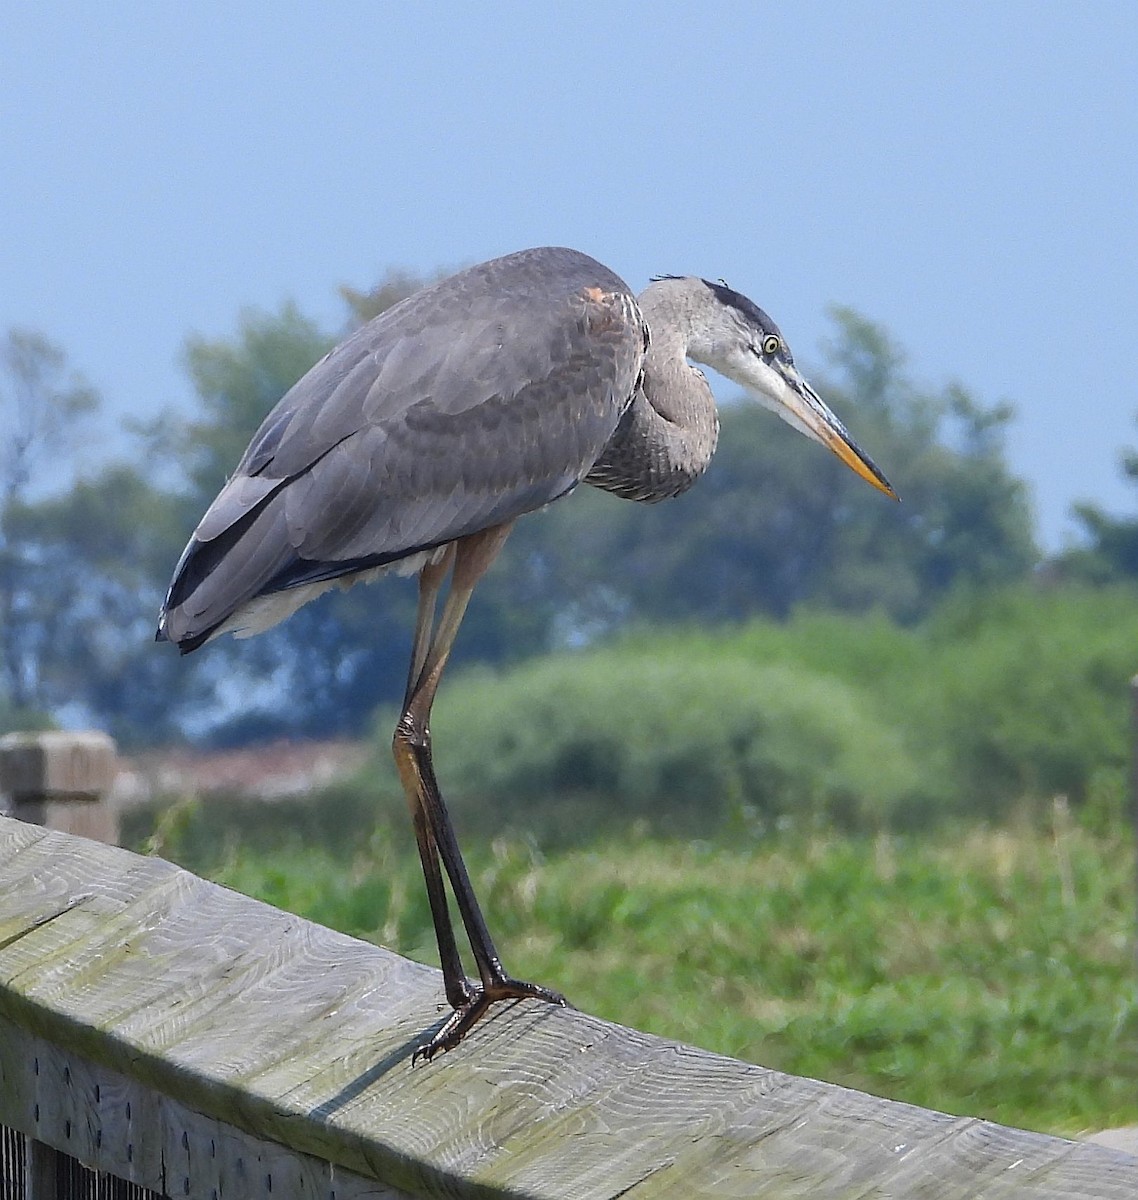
(101, 549)
(1110, 551)
(43, 409)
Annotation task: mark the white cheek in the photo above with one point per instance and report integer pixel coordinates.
(762, 382)
(771, 390)
(743, 368)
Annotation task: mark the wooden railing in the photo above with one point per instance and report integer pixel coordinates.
(162, 1030)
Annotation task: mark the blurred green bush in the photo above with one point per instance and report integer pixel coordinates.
(683, 738)
(993, 707)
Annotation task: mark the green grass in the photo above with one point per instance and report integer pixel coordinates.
(988, 973)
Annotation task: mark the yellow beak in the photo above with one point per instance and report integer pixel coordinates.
(802, 407)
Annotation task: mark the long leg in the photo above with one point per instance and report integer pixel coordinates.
(412, 749)
(496, 984)
(458, 989)
(430, 581)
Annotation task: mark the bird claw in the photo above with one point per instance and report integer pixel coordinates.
(467, 1014)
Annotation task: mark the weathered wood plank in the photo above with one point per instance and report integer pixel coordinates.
(112, 1123)
(252, 1017)
(64, 1101)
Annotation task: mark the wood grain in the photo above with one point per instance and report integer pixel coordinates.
(243, 1022)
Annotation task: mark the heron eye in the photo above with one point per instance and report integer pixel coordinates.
(771, 343)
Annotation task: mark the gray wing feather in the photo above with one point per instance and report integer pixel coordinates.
(464, 406)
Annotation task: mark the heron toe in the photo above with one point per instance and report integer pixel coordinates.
(467, 1015)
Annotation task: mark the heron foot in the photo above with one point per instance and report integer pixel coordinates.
(469, 1013)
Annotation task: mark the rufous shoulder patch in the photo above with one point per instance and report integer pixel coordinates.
(611, 314)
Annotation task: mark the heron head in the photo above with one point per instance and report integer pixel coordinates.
(740, 341)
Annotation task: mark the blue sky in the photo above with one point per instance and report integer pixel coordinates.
(964, 173)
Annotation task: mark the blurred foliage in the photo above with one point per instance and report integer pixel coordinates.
(22, 720)
(199, 833)
(823, 722)
(45, 408)
(43, 404)
(683, 740)
(99, 548)
(1031, 691)
(999, 703)
(1108, 552)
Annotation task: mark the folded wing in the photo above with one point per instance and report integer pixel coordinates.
(468, 404)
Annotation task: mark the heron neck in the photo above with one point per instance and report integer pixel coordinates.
(666, 438)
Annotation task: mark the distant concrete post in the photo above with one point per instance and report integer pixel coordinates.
(61, 780)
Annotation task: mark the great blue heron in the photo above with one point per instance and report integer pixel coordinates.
(418, 442)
